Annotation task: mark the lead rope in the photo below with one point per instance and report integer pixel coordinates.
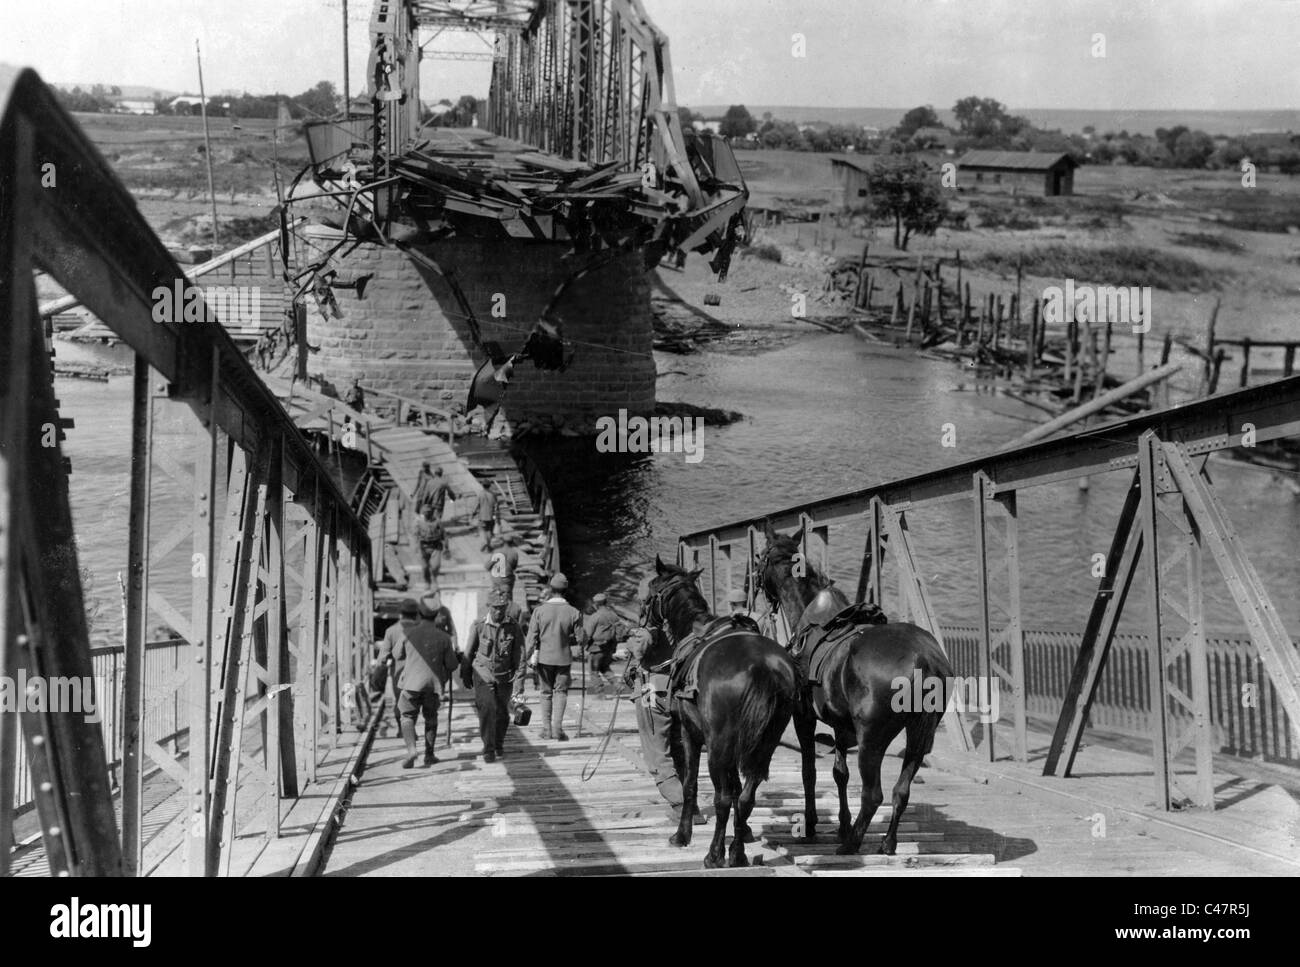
(598, 753)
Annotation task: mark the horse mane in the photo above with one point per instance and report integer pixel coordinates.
(782, 548)
(685, 603)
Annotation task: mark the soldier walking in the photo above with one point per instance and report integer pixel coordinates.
(604, 628)
(427, 659)
(491, 663)
(554, 635)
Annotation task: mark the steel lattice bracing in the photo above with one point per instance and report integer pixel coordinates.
(1172, 527)
(589, 80)
(279, 591)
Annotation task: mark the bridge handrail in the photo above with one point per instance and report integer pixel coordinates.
(95, 243)
(1203, 426)
(275, 495)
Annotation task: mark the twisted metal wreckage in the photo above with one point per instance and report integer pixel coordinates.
(587, 81)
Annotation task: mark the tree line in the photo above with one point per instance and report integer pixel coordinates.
(985, 123)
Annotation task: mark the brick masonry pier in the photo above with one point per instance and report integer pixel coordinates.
(408, 335)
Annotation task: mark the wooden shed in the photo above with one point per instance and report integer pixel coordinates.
(1052, 173)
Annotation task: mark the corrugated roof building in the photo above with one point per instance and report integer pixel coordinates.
(1053, 172)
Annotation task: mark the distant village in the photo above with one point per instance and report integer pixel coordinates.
(986, 138)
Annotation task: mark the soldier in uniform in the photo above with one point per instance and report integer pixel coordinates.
(384, 662)
(554, 634)
(649, 655)
(427, 659)
(503, 561)
(604, 628)
(430, 537)
(491, 663)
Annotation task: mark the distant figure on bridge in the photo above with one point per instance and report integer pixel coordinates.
(431, 488)
(503, 561)
(432, 602)
(737, 601)
(427, 660)
(355, 396)
(556, 636)
(492, 662)
(485, 515)
(386, 665)
(430, 538)
(604, 628)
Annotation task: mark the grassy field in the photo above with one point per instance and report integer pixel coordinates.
(1194, 236)
(161, 159)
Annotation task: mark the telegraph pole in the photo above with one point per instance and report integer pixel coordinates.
(347, 89)
(207, 148)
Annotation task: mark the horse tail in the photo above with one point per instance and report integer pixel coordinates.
(921, 727)
(765, 708)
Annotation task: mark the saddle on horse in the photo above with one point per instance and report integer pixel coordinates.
(813, 647)
(683, 675)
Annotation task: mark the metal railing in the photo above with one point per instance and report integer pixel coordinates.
(1172, 524)
(166, 715)
(273, 552)
(1123, 701)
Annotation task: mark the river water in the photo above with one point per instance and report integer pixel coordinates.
(823, 414)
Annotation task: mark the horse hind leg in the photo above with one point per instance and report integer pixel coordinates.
(744, 806)
(690, 787)
(841, 773)
(920, 737)
(805, 727)
(726, 783)
(869, 759)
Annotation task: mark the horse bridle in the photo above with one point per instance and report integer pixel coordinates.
(652, 612)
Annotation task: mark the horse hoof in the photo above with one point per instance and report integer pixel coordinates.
(747, 835)
(847, 849)
(710, 863)
(738, 861)
(677, 839)
(810, 836)
(888, 849)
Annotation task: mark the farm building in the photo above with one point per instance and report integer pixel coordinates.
(1053, 172)
(851, 172)
(851, 175)
(187, 104)
(134, 106)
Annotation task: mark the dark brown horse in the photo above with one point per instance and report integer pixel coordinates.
(858, 689)
(748, 688)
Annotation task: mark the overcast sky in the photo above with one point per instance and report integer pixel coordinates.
(1159, 54)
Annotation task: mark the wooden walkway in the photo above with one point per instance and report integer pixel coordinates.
(532, 814)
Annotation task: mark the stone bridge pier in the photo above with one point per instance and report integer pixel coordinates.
(408, 334)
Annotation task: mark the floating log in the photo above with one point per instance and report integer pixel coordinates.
(1094, 406)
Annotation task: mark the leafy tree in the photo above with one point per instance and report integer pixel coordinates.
(784, 134)
(1169, 136)
(737, 122)
(321, 100)
(907, 192)
(687, 118)
(986, 122)
(918, 117)
(1192, 149)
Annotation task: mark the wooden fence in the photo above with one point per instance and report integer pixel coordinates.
(1259, 730)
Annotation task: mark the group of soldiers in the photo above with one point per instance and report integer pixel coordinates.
(419, 652)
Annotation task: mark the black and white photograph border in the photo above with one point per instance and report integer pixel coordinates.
(743, 439)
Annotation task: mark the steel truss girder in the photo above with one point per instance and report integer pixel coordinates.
(1011, 671)
(88, 235)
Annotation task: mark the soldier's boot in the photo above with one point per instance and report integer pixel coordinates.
(545, 716)
(408, 736)
(557, 717)
(430, 743)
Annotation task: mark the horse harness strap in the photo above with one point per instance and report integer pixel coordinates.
(690, 650)
(814, 647)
